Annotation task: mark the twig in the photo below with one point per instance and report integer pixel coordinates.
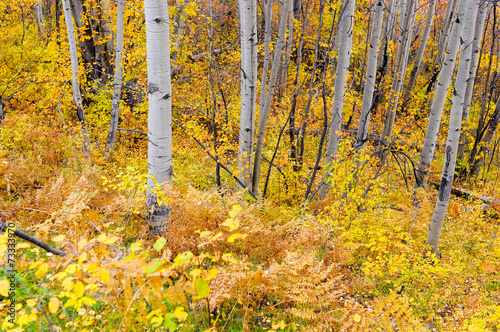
(32, 239)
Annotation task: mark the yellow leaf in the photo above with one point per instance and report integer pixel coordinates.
(31, 303)
(235, 210)
(71, 268)
(112, 240)
(202, 288)
(236, 236)
(180, 314)
(102, 238)
(104, 275)
(160, 243)
(82, 243)
(23, 245)
(35, 265)
(281, 325)
(42, 269)
(211, 274)
(67, 284)
(54, 305)
(82, 258)
(232, 224)
(196, 272)
(136, 246)
(357, 318)
(4, 288)
(59, 238)
(79, 289)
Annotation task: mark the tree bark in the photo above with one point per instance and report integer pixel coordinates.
(478, 33)
(398, 81)
(248, 33)
(436, 112)
(455, 125)
(75, 81)
(420, 53)
(160, 112)
(117, 86)
(39, 20)
(264, 111)
(344, 58)
(371, 73)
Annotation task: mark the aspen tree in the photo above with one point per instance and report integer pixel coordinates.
(39, 19)
(371, 73)
(117, 86)
(436, 111)
(248, 79)
(269, 93)
(476, 44)
(75, 80)
(455, 125)
(421, 49)
(160, 111)
(344, 58)
(407, 20)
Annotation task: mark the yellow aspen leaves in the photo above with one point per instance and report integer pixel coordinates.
(160, 243)
(202, 289)
(104, 275)
(4, 288)
(42, 270)
(79, 289)
(54, 304)
(180, 314)
(59, 238)
(235, 236)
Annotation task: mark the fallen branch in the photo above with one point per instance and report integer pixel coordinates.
(459, 192)
(32, 239)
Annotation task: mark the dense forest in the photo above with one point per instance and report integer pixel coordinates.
(272, 165)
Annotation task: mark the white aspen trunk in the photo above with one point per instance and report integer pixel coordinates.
(444, 35)
(288, 51)
(421, 49)
(178, 30)
(117, 86)
(371, 74)
(264, 111)
(39, 20)
(160, 111)
(436, 112)
(476, 44)
(400, 69)
(248, 35)
(344, 58)
(75, 81)
(268, 16)
(455, 124)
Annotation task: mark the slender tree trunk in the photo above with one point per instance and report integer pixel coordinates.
(420, 53)
(75, 81)
(344, 58)
(444, 35)
(39, 20)
(436, 112)
(398, 81)
(264, 112)
(455, 124)
(478, 33)
(371, 73)
(179, 22)
(160, 111)
(248, 35)
(117, 86)
(478, 163)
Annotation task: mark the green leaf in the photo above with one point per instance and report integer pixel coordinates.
(181, 258)
(154, 267)
(160, 243)
(202, 288)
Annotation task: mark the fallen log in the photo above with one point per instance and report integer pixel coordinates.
(32, 239)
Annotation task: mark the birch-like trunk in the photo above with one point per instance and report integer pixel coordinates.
(179, 22)
(248, 36)
(449, 18)
(344, 58)
(404, 43)
(75, 81)
(371, 74)
(421, 50)
(476, 44)
(160, 111)
(264, 111)
(39, 20)
(455, 125)
(436, 112)
(117, 86)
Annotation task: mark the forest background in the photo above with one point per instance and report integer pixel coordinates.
(363, 107)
